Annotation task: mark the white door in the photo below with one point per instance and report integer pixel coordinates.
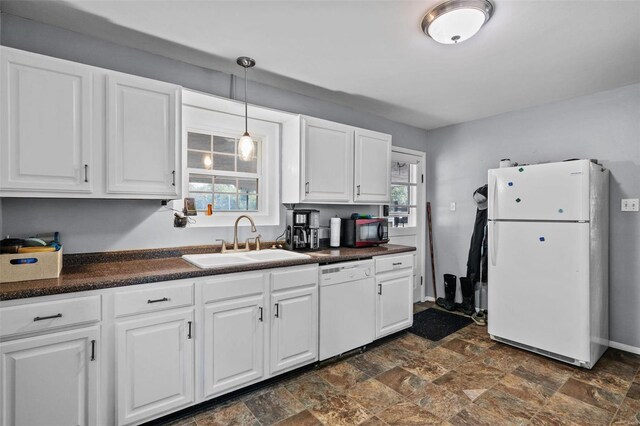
(294, 328)
(233, 344)
(51, 379)
(328, 161)
(539, 285)
(372, 167)
(46, 115)
(394, 310)
(154, 365)
(143, 135)
(407, 216)
(556, 191)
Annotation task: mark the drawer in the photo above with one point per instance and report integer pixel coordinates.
(298, 277)
(155, 298)
(42, 316)
(232, 286)
(393, 263)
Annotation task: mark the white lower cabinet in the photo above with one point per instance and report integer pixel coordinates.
(233, 343)
(154, 365)
(394, 299)
(51, 379)
(294, 328)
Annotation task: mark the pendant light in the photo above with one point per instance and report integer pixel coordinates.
(245, 144)
(454, 21)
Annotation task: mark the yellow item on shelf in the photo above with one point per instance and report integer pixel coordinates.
(36, 249)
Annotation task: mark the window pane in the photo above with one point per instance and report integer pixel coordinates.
(200, 183)
(403, 220)
(198, 160)
(223, 201)
(399, 194)
(249, 166)
(222, 144)
(247, 202)
(199, 141)
(202, 200)
(398, 209)
(225, 184)
(253, 202)
(224, 162)
(248, 186)
(399, 171)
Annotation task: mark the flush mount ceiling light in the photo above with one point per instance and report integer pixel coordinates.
(245, 144)
(454, 21)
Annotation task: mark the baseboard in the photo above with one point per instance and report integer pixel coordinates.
(429, 299)
(623, 347)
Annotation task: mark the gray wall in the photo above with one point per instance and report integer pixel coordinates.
(605, 126)
(98, 225)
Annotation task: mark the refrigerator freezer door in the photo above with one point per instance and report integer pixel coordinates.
(555, 191)
(538, 291)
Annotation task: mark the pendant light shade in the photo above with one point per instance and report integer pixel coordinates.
(245, 143)
(455, 21)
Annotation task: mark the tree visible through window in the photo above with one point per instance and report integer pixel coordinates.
(402, 210)
(218, 176)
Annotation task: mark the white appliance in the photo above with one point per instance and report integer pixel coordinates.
(548, 272)
(347, 307)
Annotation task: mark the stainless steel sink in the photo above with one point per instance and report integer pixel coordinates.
(218, 260)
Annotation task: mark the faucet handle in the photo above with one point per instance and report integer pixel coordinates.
(224, 246)
(258, 242)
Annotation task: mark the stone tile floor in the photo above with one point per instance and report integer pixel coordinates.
(464, 379)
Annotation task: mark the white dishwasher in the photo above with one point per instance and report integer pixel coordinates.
(347, 307)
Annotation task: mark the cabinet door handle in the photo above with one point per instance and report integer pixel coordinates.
(173, 177)
(164, 299)
(93, 350)
(49, 317)
(380, 289)
(189, 331)
(86, 173)
(358, 188)
(306, 188)
(260, 317)
(277, 314)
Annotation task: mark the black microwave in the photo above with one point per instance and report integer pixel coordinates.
(364, 232)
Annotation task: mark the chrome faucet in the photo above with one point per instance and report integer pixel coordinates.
(235, 233)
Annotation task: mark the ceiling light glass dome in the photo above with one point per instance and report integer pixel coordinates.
(454, 21)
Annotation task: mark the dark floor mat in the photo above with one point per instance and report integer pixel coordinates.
(434, 324)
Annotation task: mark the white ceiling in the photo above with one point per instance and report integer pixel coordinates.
(530, 53)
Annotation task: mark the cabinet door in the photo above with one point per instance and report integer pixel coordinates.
(372, 180)
(233, 344)
(46, 124)
(394, 309)
(143, 134)
(50, 379)
(327, 161)
(154, 366)
(294, 328)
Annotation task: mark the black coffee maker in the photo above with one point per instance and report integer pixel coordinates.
(302, 231)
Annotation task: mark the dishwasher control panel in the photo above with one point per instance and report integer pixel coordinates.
(345, 272)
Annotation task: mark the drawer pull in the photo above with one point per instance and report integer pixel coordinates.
(93, 350)
(189, 333)
(396, 263)
(49, 317)
(164, 299)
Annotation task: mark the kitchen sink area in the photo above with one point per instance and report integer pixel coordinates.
(218, 260)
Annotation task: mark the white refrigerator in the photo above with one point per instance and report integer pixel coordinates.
(548, 251)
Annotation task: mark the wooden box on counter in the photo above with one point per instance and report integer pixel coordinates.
(45, 265)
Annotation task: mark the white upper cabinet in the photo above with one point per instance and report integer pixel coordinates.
(143, 128)
(331, 163)
(327, 161)
(372, 173)
(46, 116)
(77, 131)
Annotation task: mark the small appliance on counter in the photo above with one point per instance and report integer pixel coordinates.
(364, 232)
(302, 231)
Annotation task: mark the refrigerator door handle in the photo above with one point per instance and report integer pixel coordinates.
(493, 201)
(493, 242)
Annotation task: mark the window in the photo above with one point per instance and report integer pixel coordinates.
(219, 177)
(404, 183)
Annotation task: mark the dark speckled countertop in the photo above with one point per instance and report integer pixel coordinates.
(93, 271)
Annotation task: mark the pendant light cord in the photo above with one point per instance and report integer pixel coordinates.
(246, 119)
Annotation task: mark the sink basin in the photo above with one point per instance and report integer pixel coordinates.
(274, 255)
(218, 260)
